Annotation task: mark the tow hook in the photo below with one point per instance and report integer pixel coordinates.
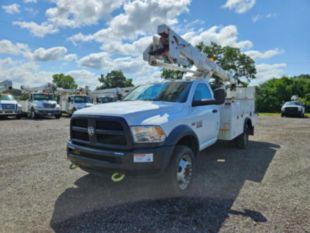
(73, 166)
(117, 177)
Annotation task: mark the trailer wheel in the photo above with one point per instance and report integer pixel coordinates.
(181, 169)
(243, 139)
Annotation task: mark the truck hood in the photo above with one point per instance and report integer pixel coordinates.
(40, 103)
(8, 102)
(136, 112)
(82, 105)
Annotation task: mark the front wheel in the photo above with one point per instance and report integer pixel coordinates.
(33, 114)
(181, 169)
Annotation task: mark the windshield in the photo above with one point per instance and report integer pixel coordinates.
(81, 99)
(43, 97)
(105, 99)
(293, 103)
(168, 91)
(6, 97)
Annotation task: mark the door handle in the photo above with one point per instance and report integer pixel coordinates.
(214, 110)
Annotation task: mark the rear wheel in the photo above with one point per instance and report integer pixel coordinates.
(181, 169)
(243, 139)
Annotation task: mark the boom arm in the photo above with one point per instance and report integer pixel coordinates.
(171, 51)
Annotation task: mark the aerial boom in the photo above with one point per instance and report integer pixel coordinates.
(171, 51)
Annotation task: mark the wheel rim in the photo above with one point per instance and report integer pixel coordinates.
(184, 173)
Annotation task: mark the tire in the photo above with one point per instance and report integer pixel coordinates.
(33, 115)
(180, 171)
(243, 139)
(19, 116)
(58, 116)
(282, 114)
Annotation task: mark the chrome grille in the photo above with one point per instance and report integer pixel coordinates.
(49, 105)
(8, 106)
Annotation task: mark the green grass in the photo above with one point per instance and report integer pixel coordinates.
(275, 114)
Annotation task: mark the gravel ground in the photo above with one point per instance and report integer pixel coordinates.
(265, 188)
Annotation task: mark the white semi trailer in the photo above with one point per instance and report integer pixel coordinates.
(160, 128)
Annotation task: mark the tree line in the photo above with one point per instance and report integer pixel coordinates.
(272, 94)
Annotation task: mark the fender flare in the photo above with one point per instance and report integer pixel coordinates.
(180, 132)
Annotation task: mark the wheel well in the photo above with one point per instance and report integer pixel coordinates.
(249, 126)
(191, 142)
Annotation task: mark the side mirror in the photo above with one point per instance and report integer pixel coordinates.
(219, 98)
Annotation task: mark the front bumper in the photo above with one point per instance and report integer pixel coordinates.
(47, 112)
(9, 113)
(107, 161)
(292, 112)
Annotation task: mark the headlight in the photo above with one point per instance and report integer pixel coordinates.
(147, 134)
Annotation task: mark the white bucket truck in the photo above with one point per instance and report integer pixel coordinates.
(160, 128)
(8, 105)
(40, 102)
(72, 99)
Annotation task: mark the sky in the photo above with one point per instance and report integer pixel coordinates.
(86, 38)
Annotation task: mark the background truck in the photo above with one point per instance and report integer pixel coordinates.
(110, 94)
(160, 128)
(72, 99)
(293, 108)
(9, 106)
(40, 102)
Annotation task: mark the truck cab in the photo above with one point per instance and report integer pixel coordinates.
(9, 106)
(293, 108)
(159, 128)
(41, 104)
(76, 102)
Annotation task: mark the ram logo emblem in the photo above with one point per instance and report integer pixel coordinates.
(91, 131)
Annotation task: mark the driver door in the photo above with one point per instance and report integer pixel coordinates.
(206, 118)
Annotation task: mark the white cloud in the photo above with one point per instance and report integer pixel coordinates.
(68, 13)
(70, 57)
(264, 55)
(95, 60)
(73, 14)
(84, 78)
(259, 17)
(23, 73)
(51, 54)
(140, 17)
(239, 6)
(225, 36)
(30, 1)
(7, 47)
(266, 72)
(39, 30)
(11, 9)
